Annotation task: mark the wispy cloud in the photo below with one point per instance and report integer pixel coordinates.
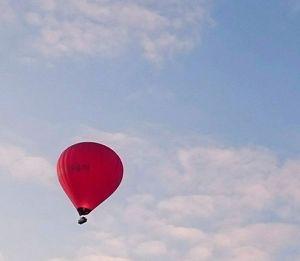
(7, 13)
(108, 28)
(197, 202)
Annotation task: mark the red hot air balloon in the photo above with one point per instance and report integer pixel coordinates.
(89, 173)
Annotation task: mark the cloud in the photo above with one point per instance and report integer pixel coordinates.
(289, 181)
(21, 165)
(151, 249)
(57, 259)
(104, 258)
(7, 14)
(93, 258)
(188, 206)
(2, 257)
(264, 241)
(107, 28)
(199, 253)
(196, 202)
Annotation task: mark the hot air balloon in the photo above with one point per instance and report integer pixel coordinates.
(89, 173)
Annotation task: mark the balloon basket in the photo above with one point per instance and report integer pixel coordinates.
(82, 220)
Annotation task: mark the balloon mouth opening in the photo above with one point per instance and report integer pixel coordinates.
(83, 211)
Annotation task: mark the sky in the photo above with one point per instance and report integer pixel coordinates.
(200, 99)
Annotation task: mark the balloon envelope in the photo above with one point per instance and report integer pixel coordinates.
(89, 173)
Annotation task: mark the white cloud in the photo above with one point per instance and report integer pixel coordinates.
(249, 254)
(20, 164)
(197, 202)
(104, 258)
(48, 5)
(194, 206)
(93, 258)
(151, 249)
(2, 258)
(116, 140)
(57, 259)
(289, 181)
(106, 28)
(259, 241)
(188, 234)
(7, 13)
(33, 19)
(199, 253)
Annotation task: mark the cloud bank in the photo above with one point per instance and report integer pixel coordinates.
(196, 202)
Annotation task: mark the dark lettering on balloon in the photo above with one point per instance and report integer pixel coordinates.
(78, 167)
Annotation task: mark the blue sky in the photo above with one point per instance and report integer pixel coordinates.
(199, 98)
